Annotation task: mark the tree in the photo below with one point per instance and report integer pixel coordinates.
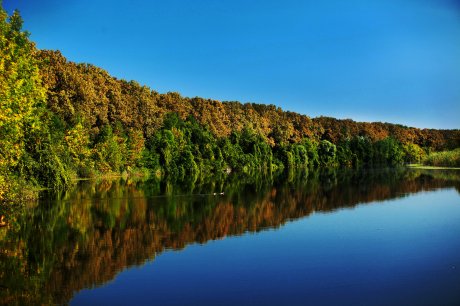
(22, 95)
(109, 153)
(388, 152)
(135, 147)
(24, 138)
(77, 140)
(413, 153)
(327, 153)
(312, 152)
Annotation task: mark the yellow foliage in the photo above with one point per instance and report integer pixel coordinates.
(21, 92)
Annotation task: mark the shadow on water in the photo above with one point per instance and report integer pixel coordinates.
(84, 237)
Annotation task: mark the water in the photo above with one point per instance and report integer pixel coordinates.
(387, 237)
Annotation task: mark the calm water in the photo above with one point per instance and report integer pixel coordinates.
(387, 237)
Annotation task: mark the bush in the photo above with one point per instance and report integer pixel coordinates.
(443, 159)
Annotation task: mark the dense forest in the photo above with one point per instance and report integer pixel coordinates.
(61, 120)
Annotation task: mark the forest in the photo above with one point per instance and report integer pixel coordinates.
(60, 121)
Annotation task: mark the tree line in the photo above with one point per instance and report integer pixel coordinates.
(61, 120)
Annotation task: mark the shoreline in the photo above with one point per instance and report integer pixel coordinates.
(426, 167)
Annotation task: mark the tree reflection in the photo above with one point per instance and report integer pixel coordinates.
(83, 237)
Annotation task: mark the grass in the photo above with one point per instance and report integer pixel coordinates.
(427, 167)
(449, 159)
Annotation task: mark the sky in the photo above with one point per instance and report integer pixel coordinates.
(392, 61)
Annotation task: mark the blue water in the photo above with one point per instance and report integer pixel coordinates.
(403, 251)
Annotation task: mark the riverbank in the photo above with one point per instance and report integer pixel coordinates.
(426, 167)
(450, 159)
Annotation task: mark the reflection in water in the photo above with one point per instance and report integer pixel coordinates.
(84, 237)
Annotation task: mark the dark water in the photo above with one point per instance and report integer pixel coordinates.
(386, 237)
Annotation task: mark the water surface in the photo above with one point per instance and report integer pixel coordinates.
(387, 237)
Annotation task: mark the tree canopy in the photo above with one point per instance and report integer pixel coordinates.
(60, 119)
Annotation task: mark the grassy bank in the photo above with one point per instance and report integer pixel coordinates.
(450, 159)
(425, 167)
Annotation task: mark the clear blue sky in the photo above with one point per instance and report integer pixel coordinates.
(369, 60)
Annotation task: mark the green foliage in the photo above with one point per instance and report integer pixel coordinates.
(135, 148)
(311, 148)
(21, 93)
(293, 156)
(327, 154)
(77, 141)
(363, 150)
(28, 152)
(60, 119)
(345, 156)
(443, 159)
(41, 162)
(413, 153)
(388, 152)
(109, 151)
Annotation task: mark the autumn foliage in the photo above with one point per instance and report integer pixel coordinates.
(194, 135)
(61, 120)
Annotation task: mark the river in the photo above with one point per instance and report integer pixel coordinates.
(367, 237)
